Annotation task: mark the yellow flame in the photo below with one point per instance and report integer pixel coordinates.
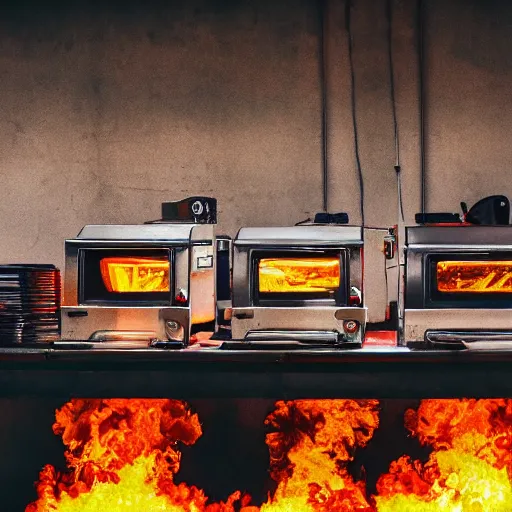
(317, 461)
(123, 275)
(135, 492)
(466, 484)
(282, 275)
(122, 457)
(474, 276)
(469, 467)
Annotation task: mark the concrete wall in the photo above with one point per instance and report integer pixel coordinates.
(470, 101)
(108, 110)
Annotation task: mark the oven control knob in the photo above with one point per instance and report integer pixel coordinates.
(355, 298)
(350, 326)
(174, 331)
(181, 297)
(173, 326)
(197, 208)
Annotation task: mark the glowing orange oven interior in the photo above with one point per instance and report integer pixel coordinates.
(128, 274)
(474, 276)
(303, 275)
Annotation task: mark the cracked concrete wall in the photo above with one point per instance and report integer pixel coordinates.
(108, 111)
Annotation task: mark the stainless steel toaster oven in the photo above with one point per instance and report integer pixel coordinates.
(458, 290)
(139, 283)
(306, 284)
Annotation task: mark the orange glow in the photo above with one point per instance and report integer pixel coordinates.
(470, 467)
(474, 276)
(310, 448)
(283, 275)
(123, 455)
(123, 275)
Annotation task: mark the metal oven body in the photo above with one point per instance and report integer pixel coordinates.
(175, 267)
(458, 289)
(306, 283)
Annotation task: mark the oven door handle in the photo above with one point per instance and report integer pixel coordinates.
(471, 340)
(288, 336)
(117, 336)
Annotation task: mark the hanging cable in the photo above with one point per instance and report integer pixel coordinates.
(323, 93)
(421, 70)
(398, 169)
(348, 26)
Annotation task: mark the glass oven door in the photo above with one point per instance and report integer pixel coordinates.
(469, 280)
(126, 276)
(295, 278)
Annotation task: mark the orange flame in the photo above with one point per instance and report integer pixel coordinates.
(474, 276)
(315, 440)
(122, 456)
(470, 467)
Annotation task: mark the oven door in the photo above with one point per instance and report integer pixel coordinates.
(126, 276)
(458, 298)
(291, 277)
(468, 280)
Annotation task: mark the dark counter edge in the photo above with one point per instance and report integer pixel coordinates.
(159, 357)
(219, 374)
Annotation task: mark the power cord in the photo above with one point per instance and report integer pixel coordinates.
(323, 92)
(398, 169)
(421, 70)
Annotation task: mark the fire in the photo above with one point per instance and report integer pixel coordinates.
(470, 466)
(474, 276)
(309, 452)
(122, 455)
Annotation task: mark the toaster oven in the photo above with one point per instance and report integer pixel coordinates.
(305, 284)
(140, 283)
(458, 289)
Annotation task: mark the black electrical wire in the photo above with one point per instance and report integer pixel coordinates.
(322, 65)
(421, 70)
(348, 25)
(398, 169)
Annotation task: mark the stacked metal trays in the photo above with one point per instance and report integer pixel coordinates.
(29, 304)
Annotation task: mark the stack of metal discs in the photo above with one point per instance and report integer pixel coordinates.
(29, 304)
